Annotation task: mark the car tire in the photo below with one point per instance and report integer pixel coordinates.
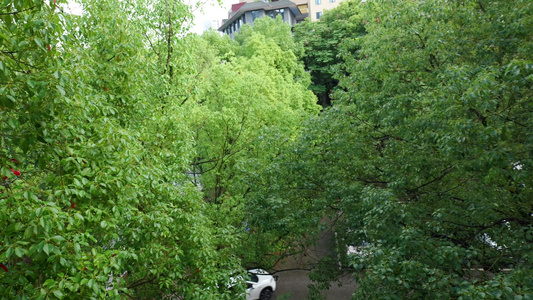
(266, 294)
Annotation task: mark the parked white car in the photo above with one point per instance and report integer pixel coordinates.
(261, 285)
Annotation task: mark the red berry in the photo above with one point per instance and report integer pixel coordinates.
(105, 88)
(3, 267)
(4, 178)
(17, 172)
(72, 205)
(49, 48)
(85, 269)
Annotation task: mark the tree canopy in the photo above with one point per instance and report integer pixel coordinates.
(322, 43)
(423, 161)
(125, 139)
(140, 161)
(252, 100)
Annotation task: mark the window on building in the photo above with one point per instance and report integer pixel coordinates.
(318, 15)
(274, 13)
(318, 2)
(255, 14)
(331, 1)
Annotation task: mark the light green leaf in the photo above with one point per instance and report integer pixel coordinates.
(19, 252)
(47, 248)
(58, 294)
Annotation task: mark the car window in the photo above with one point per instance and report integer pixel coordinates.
(252, 277)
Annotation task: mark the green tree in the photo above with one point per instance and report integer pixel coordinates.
(322, 42)
(95, 196)
(252, 98)
(426, 155)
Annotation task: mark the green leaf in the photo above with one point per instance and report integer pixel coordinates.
(39, 42)
(19, 252)
(61, 90)
(47, 248)
(58, 294)
(58, 238)
(9, 252)
(90, 283)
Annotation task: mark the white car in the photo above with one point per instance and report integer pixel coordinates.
(261, 285)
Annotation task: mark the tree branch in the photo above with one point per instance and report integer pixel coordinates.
(151, 45)
(446, 172)
(169, 41)
(141, 282)
(17, 12)
(481, 117)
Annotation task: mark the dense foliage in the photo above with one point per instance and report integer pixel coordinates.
(112, 121)
(94, 198)
(423, 163)
(139, 161)
(322, 43)
(251, 101)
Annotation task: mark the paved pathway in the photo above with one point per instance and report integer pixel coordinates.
(293, 284)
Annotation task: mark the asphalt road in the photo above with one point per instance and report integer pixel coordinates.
(293, 284)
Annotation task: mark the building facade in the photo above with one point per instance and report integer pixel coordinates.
(317, 7)
(291, 12)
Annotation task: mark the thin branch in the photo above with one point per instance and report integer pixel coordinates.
(17, 12)
(169, 40)
(151, 45)
(216, 159)
(374, 182)
(446, 172)
(421, 40)
(141, 282)
(480, 116)
(26, 64)
(481, 6)
(483, 228)
(374, 127)
(131, 297)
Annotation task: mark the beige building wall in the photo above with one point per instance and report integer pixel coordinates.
(319, 6)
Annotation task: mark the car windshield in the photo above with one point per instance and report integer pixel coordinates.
(252, 277)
